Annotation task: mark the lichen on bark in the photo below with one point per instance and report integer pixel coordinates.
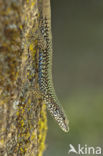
(23, 120)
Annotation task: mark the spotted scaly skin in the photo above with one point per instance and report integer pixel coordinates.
(45, 68)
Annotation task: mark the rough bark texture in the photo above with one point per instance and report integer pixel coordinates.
(23, 121)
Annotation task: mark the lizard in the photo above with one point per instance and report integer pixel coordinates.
(45, 67)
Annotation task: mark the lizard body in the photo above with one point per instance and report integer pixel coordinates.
(45, 68)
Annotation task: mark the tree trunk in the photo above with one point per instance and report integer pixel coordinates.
(23, 120)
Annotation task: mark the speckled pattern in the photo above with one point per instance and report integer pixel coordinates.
(45, 70)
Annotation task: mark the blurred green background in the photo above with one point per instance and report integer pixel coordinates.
(77, 27)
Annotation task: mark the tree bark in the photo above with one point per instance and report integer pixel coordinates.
(23, 120)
